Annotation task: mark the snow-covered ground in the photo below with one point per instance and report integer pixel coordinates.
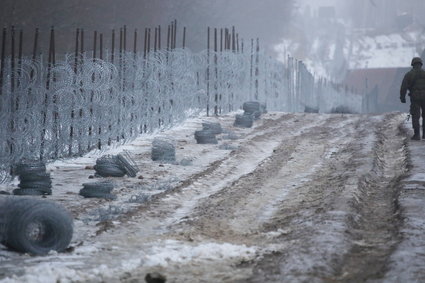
(385, 51)
(329, 55)
(288, 200)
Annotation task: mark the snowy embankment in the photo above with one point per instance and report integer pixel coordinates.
(329, 58)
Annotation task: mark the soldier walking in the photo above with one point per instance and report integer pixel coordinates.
(414, 82)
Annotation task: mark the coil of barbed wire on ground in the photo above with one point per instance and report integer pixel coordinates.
(34, 226)
(109, 166)
(128, 164)
(34, 180)
(230, 135)
(101, 189)
(214, 127)
(205, 137)
(252, 108)
(163, 149)
(244, 121)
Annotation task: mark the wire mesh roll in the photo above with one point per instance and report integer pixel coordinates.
(205, 137)
(163, 150)
(244, 121)
(98, 190)
(34, 180)
(251, 107)
(108, 166)
(214, 128)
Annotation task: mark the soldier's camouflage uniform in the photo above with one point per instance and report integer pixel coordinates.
(414, 82)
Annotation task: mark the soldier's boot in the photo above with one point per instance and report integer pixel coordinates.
(417, 135)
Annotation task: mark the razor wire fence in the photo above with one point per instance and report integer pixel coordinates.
(54, 108)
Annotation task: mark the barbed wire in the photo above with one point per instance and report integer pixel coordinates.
(81, 103)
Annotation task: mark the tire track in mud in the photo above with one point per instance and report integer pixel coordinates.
(342, 225)
(178, 202)
(376, 228)
(244, 206)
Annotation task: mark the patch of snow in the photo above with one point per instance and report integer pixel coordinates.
(171, 251)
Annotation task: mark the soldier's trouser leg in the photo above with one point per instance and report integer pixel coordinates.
(423, 118)
(415, 111)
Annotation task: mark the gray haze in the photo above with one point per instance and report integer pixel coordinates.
(266, 19)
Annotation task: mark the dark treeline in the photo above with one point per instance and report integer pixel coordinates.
(266, 19)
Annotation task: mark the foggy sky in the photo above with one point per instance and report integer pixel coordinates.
(266, 19)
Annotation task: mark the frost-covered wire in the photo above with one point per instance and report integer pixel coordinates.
(80, 103)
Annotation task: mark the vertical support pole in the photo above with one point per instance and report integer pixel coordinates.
(221, 40)
(3, 55)
(175, 34)
(81, 111)
(233, 39)
(155, 40)
(135, 44)
(99, 132)
(12, 62)
(159, 37)
(251, 69)
(208, 72)
(216, 110)
(55, 101)
(91, 110)
(149, 40)
(12, 87)
(113, 48)
(145, 48)
(120, 135)
(21, 40)
(71, 129)
(172, 36)
(111, 90)
(184, 37)
(124, 71)
(101, 46)
(257, 70)
(94, 45)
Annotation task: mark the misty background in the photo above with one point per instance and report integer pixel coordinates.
(364, 44)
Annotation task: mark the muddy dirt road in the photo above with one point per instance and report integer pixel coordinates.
(298, 198)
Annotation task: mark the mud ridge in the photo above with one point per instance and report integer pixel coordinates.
(375, 227)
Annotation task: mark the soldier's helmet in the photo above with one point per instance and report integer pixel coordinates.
(417, 60)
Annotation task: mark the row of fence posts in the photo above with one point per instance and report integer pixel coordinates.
(152, 42)
(220, 93)
(222, 40)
